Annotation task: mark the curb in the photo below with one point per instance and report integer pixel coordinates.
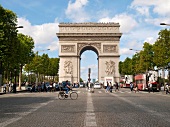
(22, 91)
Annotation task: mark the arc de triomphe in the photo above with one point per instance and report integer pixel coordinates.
(75, 38)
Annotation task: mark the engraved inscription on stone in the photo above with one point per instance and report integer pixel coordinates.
(110, 67)
(109, 48)
(90, 38)
(87, 29)
(67, 48)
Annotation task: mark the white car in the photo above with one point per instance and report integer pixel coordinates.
(81, 85)
(97, 86)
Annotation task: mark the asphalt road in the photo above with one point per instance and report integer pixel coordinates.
(101, 109)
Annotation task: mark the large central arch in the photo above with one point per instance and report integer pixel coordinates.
(75, 38)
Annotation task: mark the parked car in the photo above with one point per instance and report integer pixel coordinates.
(57, 87)
(82, 84)
(48, 86)
(97, 86)
(28, 87)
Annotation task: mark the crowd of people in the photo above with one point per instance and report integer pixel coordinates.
(66, 85)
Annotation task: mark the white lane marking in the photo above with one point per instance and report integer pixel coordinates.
(4, 124)
(90, 119)
(22, 114)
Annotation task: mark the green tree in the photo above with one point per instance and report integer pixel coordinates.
(148, 55)
(25, 54)
(53, 68)
(126, 66)
(8, 39)
(161, 49)
(135, 63)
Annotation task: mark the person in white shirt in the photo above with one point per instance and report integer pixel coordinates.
(167, 88)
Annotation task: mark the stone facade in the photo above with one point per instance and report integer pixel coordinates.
(75, 38)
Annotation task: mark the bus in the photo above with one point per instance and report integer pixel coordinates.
(141, 80)
(126, 80)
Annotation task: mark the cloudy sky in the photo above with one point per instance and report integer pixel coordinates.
(139, 22)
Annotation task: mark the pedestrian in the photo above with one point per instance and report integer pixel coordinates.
(131, 86)
(149, 87)
(116, 86)
(5, 87)
(167, 88)
(136, 88)
(110, 84)
(108, 87)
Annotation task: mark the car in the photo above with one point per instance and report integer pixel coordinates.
(48, 86)
(28, 87)
(82, 84)
(57, 87)
(97, 86)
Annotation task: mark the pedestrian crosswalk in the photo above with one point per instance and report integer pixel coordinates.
(122, 92)
(85, 91)
(102, 91)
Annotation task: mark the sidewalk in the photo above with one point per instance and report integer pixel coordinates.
(17, 91)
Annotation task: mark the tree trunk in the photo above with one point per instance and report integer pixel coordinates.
(20, 77)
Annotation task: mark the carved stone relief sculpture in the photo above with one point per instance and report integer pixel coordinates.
(110, 67)
(81, 45)
(109, 48)
(68, 67)
(67, 48)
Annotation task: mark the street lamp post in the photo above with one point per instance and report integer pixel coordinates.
(165, 24)
(135, 50)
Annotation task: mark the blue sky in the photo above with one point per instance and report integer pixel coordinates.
(139, 22)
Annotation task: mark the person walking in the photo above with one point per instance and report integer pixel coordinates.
(167, 88)
(116, 86)
(136, 88)
(111, 87)
(108, 87)
(149, 87)
(131, 86)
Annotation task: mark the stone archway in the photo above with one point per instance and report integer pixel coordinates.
(75, 38)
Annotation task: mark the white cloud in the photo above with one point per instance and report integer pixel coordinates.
(44, 34)
(94, 71)
(83, 57)
(157, 21)
(75, 11)
(143, 10)
(125, 51)
(159, 6)
(150, 40)
(53, 46)
(127, 22)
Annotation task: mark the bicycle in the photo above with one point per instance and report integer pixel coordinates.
(73, 95)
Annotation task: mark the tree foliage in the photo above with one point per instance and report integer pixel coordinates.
(151, 57)
(43, 65)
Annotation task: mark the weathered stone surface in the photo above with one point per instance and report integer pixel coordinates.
(75, 38)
